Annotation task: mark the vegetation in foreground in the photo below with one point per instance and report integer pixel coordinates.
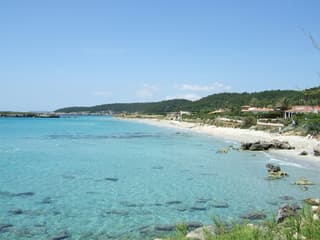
(300, 227)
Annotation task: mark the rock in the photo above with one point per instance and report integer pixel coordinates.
(46, 200)
(4, 227)
(304, 153)
(157, 167)
(61, 236)
(312, 201)
(254, 216)
(201, 232)
(198, 208)
(220, 205)
(173, 202)
(17, 211)
(286, 211)
(316, 150)
(23, 194)
(182, 209)
(203, 200)
(166, 228)
(263, 145)
(303, 181)
(192, 225)
(273, 168)
(286, 198)
(117, 212)
(223, 150)
(315, 209)
(111, 179)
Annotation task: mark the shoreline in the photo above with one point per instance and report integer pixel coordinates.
(246, 135)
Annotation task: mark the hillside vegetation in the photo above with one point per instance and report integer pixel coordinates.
(271, 98)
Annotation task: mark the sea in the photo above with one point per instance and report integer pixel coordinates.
(97, 177)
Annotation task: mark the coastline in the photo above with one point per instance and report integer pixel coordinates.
(246, 135)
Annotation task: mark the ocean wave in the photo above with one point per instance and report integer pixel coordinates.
(285, 163)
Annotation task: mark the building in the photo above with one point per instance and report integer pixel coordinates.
(301, 109)
(247, 108)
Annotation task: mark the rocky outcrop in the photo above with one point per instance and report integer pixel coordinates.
(264, 146)
(286, 211)
(303, 181)
(316, 150)
(274, 172)
(201, 233)
(312, 201)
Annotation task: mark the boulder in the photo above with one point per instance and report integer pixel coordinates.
(312, 201)
(223, 150)
(303, 181)
(316, 150)
(273, 168)
(286, 211)
(304, 153)
(201, 233)
(263, 145)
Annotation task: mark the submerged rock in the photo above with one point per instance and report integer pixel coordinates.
(303, 181)
(111, 179)
(46, 200)
(286, 198)
(23, 194)
(220, 205)
(254, 216)
(4, 227)
(223, 150)
(173, 202)
(17, 211)
(198, 208)
(166, 228)
(61, 236)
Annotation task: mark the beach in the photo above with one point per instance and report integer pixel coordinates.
(247, 135)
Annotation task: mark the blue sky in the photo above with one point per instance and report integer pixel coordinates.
(72, 52)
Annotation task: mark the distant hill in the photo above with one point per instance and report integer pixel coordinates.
(149, 107)
(271, 98)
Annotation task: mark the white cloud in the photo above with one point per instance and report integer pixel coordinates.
(146, 91)
(101, 93)
(215, 87)
(188, 96)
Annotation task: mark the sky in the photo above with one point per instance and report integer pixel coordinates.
(81, 53)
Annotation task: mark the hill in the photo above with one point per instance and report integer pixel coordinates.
(270, 98)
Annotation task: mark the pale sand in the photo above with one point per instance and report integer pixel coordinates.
(247, 135)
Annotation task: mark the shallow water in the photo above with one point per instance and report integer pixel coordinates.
(102, 178)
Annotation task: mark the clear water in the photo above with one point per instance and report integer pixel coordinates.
(67, 161)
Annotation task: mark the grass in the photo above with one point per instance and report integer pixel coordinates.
(300, 227)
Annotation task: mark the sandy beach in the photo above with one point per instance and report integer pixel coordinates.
(246, 135)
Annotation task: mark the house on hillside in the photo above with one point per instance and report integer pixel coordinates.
(247, 108)
(177, 116)
(220, 110)
(301, 109)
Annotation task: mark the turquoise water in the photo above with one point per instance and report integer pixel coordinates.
(101, 178)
